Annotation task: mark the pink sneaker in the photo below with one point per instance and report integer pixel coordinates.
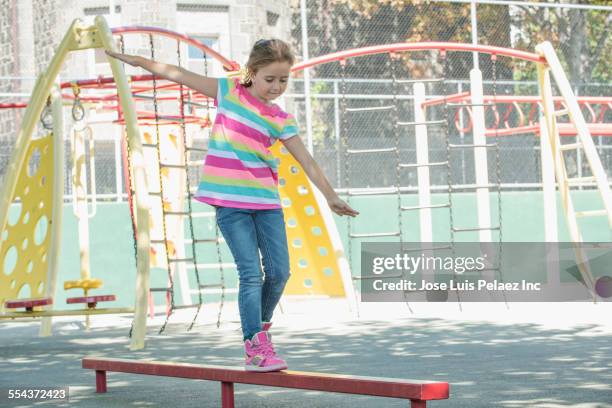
(260, 354)
(265, 326)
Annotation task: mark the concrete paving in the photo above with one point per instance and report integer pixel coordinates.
(493, 355)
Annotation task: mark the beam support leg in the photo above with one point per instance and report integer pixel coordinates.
(100, 381)
(227, 394)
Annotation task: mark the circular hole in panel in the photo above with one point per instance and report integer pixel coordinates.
(24, 244)
(43, 180)
(14, 212)
(294, 170)
(40, 232)
(46, 149)
(322, 251)
(26, 217)
(30, 267)
(291, 223)
(26, 190)
(44, 257)
(13, 284)
(5, 235)
(282, 181)
(284, 150)
(24, 292)
(310, 211)
(328, 271)
(308, 283)
(41, 286)
(34, 162)
(316, 231)
(286, 202)
(10, 261)
(297, 243)
(302, 263)
(302, 190)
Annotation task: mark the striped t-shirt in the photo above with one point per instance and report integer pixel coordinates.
(239, 170)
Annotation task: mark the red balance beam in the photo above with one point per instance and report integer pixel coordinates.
(418, 392)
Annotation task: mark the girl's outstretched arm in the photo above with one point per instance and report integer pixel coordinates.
(205, 85)
(315, 174)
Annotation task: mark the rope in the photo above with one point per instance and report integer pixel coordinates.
(449, 178)
(217, 232)
(170, 292)
(46, 116)
(130, 185)
(498, 176)
(188, 187)
(345, 147)
(393, 61)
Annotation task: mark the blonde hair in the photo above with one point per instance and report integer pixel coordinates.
(265, 52)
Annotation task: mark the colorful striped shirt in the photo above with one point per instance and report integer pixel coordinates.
(239, 170)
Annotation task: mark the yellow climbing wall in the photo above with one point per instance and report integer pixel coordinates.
(314, 268)
(26, 236)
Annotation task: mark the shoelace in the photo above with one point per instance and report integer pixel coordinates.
(267, 349)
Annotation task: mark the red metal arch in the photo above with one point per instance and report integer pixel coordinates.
(420, 46)
(227, 64)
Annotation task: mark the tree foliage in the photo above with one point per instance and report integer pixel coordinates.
(582, 37)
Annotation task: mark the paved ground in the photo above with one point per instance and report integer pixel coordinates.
(530, 355)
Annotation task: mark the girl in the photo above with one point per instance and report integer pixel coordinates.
(240, 180)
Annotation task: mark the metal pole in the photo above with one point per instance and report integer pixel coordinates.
(480, 157)
(305, 57)
(474, 32)
(118, 167)
(462, 138)
(117, 130)
(337, 132)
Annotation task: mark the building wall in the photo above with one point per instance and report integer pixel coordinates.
(234, 25)
(9, 67)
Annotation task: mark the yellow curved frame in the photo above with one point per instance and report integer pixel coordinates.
(50, 193)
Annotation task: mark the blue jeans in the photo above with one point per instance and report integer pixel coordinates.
(247, 233)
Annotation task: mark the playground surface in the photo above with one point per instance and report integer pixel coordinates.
(520, 355)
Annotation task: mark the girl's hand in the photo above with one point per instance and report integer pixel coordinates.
(128, 59)
(340, 207)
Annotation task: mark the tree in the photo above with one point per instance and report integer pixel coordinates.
(336, 25)
(582, 38)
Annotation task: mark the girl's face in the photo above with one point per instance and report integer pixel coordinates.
(270, 81)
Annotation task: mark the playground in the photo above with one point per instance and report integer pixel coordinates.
(118, 289)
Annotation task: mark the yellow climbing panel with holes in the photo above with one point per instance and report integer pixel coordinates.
(314, 265)
(24, 244)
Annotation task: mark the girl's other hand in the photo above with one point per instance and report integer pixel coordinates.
(340, 207)
(128, 59)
